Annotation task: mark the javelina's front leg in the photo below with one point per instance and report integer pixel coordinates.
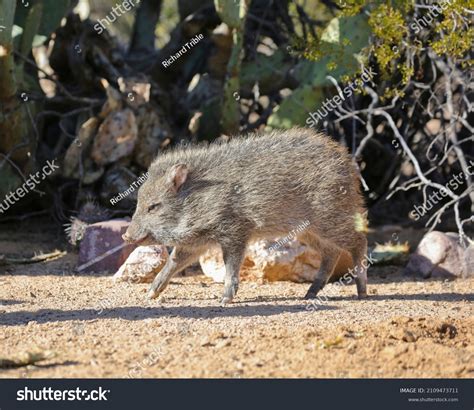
(179, 259)
(233, 257)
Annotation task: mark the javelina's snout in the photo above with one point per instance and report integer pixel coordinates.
(132, 235)
(126, 237)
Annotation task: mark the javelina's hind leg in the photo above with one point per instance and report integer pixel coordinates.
(233, 256)
(179, 259)
(329, 256)
(359, 252)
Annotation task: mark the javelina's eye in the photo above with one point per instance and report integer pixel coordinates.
(154, 207)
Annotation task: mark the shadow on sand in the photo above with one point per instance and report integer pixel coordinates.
(140, 313)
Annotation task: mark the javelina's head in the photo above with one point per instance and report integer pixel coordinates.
(156, 218)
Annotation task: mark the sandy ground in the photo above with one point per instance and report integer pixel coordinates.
(94, 328)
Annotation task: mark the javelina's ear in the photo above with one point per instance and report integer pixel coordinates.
(176, 177)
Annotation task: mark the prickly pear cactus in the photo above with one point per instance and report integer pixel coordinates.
(233, 13)
(37, 19)
(271, 71)
(23, 24)
(229, 12)
(295, 109)
(343, 42)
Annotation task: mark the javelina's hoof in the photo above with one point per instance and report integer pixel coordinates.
(153, 294)
(362, 296)
(310, 295)
(225, 300)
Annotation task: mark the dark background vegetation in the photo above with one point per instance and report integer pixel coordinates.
(64, 90)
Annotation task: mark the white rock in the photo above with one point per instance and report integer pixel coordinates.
(293, 261)
(441, 255)
(142, 265)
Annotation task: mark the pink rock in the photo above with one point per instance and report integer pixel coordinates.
(103, 249)
(441, 255)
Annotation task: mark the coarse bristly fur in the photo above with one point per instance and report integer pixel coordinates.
(259, 186)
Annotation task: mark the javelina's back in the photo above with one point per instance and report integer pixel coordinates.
(272, 183)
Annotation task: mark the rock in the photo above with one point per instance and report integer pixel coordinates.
(142, 265)
(441, 255)
(446, 329)
(292, 261)
(118, 180)
(74, 154)
(77, 163)
(394, 352)
(204, 95)
(154, 133)
(409, 336)
(433, 126)
(223, 343)
(114, 100)
(194, 123)
(116, 137)
(102, 248)
(221, 39)
(136, 88)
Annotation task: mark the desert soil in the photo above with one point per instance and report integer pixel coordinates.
(92, 327)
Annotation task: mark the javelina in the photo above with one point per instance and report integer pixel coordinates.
(250, 188)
